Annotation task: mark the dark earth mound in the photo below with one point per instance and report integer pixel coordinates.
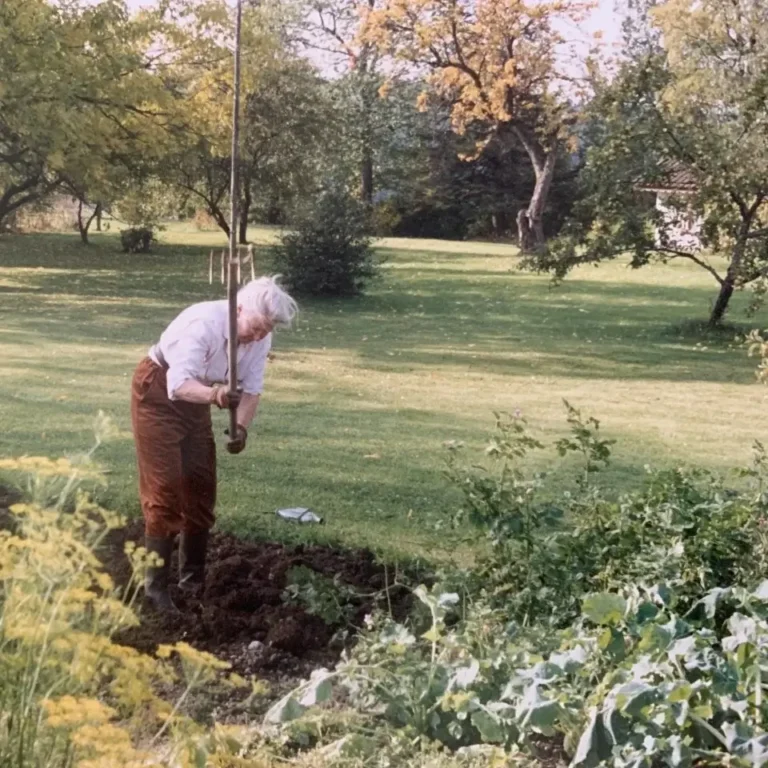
(243, 616)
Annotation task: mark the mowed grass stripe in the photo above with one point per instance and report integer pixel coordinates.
(361, 397)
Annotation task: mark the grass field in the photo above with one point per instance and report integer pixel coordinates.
(361, 396)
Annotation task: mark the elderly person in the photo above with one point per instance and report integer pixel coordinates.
(173, 389)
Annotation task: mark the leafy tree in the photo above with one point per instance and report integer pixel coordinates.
(285, 116)
(93, 181)
(692, 100)
(433, 183)
(286, 120)
(79, 96)
(328, 253)
(29, 102)
(497, 62)
(333, 28)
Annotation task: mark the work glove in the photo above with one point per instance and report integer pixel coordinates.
(224, 398)
(237, 444)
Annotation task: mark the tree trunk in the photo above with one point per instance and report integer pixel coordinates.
(84, 225)
(81, 224)
(721, 305)
(366, 173)
(729, 282)
(98, 216)
(530, 220)
(16, 196)
(219, 217)
(737, 257)
(245, 208)
(526, 240)
(368, 98)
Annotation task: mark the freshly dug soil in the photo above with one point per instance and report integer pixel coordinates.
(243, 602)
(242, 616)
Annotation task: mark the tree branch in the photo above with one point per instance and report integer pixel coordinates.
(695, 259)
(532, 147)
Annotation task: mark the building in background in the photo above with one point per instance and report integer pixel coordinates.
(679, 226)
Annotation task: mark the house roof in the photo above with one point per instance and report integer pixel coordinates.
(672, 176)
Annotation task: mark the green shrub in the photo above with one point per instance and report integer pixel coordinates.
(684, 527)
(633, 682)
(136, 240)
(621, 630)
(385, 218)
(329, 252)
(328, 599)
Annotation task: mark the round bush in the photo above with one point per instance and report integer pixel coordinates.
(329, 252)
(136, 240)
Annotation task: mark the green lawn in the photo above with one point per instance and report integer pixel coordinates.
(360, 398)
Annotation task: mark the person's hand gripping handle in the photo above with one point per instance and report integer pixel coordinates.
(237, 433)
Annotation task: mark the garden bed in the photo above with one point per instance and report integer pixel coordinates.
(246, 617)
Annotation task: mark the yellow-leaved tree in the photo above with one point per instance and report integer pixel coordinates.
(504, 67)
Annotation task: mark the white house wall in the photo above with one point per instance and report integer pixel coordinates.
(681, 229)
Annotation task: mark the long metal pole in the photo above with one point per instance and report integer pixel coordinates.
(233, 227)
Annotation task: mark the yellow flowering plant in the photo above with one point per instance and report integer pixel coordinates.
(54, 482)
(70, 695)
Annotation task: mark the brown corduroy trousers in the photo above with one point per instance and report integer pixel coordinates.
(176, 455)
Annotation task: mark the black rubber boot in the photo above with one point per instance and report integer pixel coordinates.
(192, 551)
(157, 579)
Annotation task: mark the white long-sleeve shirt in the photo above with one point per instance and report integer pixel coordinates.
(194, 346)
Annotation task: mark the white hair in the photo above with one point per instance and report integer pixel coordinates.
(266, 297)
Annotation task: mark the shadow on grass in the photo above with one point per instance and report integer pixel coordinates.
(502, 322)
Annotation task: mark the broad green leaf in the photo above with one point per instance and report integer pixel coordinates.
(611, 641)
(704, 711)
(712, 600)
(677, 627)
(593, 745)
(632, 697)
(422, 594)
(761, 593)
(680, 692)
(654, 638)
(537, 712)
(646, 612)
(744, 630)
(569, 661)
(543, 672)
(489, 727)
(318, 690)
(284, 711)
(683, 647)
(604, 608)
(465, 676)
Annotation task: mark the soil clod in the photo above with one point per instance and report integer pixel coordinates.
(243, 615)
